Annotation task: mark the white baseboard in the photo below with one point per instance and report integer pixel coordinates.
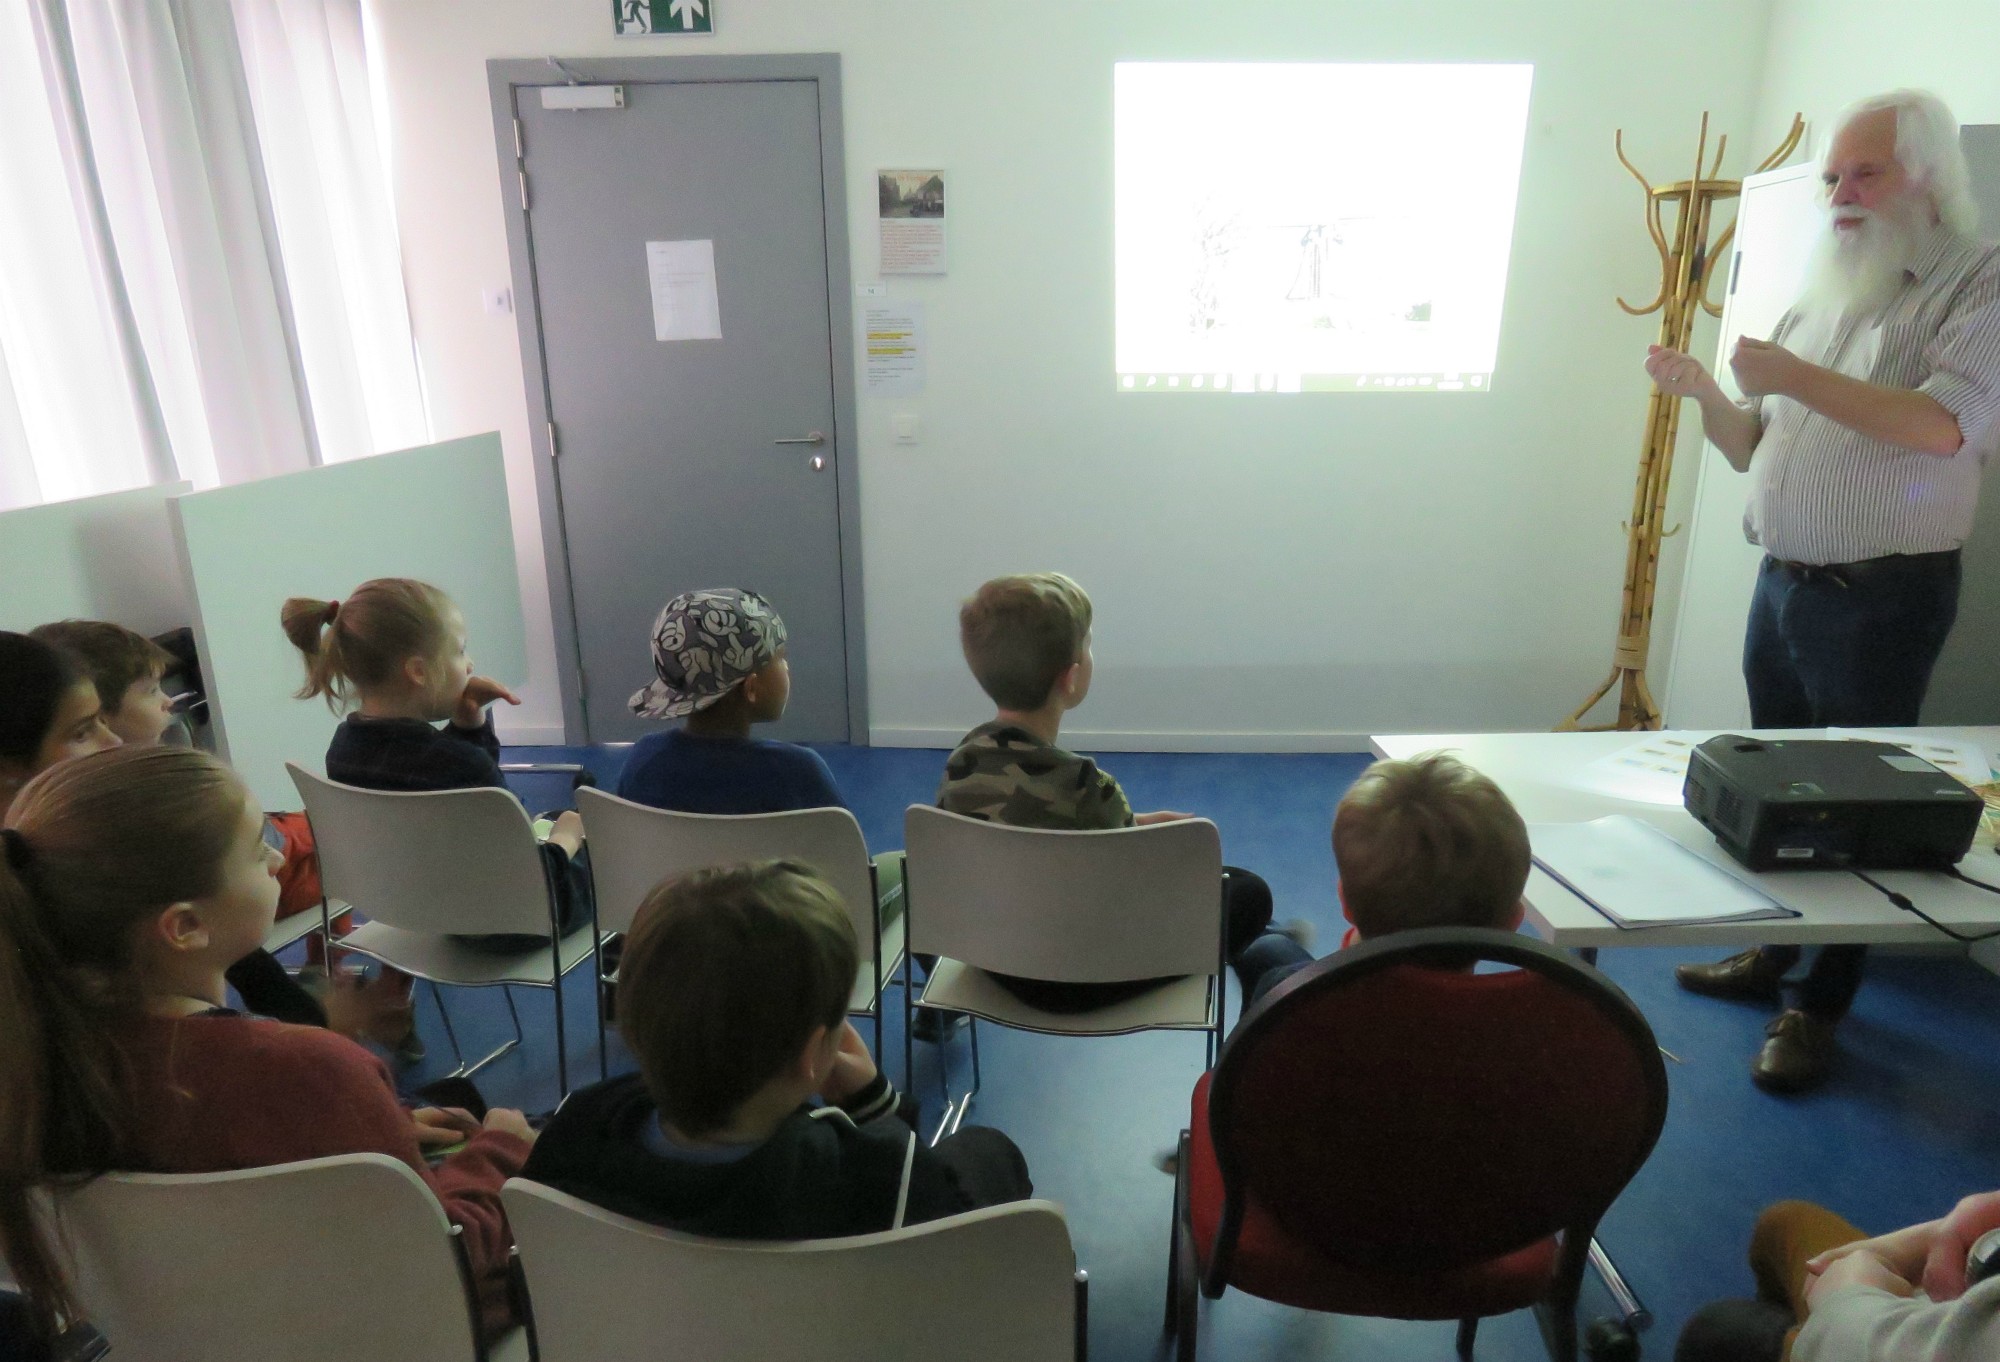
(1114, 740)
(530, 735)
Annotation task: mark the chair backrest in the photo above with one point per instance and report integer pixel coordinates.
(1397, 1110)
(1075, 907)
(440, 861)
(320, 1261)
(998, 1282)
(634, 846)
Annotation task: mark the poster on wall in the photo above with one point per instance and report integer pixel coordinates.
(911, 213)
(646, 18)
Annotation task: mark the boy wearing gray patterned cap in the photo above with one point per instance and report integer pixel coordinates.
(719, 662)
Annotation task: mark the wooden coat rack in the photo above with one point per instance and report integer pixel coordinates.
(1684, 280)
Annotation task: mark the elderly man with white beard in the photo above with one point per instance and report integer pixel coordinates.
(1866, 423)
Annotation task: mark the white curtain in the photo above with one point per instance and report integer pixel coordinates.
(76, 415)
(307, 62)
(202, 278)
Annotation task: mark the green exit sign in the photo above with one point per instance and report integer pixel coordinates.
(642, 18)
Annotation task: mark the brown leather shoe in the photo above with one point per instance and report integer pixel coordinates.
(1798, 1055)
(1747, 977)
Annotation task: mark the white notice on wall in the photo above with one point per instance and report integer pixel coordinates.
(682, 274)
(911, 213)
(893, 346)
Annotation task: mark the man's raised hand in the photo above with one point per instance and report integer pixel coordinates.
(1676, 374)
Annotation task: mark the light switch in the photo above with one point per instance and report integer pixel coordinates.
(908, 428)
(499, 301)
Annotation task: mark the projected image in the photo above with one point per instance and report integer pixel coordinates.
(1298, 228)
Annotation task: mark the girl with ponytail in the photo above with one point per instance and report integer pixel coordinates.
(395, 654)
(130, 881)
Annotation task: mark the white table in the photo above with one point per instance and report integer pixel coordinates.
(1545, 773)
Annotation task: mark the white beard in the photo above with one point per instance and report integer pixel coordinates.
(1860, 269)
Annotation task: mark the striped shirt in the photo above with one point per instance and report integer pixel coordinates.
(1822, 493)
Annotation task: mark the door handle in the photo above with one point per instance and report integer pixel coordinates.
(816, 438)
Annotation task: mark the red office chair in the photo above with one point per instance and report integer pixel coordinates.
(1389, 1134)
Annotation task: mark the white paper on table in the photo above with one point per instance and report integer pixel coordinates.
(1964, 760)
(1650, 771)
(1637, 876)
(893, 348)
(682, 276)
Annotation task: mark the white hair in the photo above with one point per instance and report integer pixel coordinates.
(1927, 148)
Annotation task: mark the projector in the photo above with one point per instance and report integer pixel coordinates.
(1823, 803)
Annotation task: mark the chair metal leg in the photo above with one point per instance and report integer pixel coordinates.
(954, 1110)
(464, 1070)
(1081, 1349)
(562, 1034)
(1172, 1321)
(909, 1025)
(1468, 1329)
(1630, 1306)
(597, 975)
(1187, 1297)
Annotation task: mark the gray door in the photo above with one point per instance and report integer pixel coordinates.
(670, 466)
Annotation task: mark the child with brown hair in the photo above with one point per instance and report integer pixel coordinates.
(130, 881)
(1027, 641)
(395, 650)
(733, 995)
(1427, 842)
(126, 668)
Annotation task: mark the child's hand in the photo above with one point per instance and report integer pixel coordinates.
(440, 1126)
(511, 1122)
(1147, 820)
(853, 1067)
(567, 832)
(480, 692)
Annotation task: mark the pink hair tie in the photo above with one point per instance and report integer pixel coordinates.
(332, 611)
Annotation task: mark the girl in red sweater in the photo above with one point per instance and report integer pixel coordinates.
(130, 880)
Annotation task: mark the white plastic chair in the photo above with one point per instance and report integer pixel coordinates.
(999, 1283)
(1070, 907)
(287, 930)
(425, 868)
(321, 1261)
(635, 846)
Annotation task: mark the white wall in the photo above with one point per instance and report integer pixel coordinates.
(1279, 571)
(1826, 53)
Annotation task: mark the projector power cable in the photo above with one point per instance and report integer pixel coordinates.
(1903, 901)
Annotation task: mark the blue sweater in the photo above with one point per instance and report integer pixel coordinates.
(688, 774)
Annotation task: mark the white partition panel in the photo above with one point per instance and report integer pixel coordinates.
(100, 558)
(1776, 220)
(438, 513)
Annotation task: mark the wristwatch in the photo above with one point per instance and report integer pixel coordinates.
(1984, 1258)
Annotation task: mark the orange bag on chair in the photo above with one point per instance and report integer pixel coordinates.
(298, 879)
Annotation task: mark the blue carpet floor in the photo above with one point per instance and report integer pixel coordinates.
(1908, 1125)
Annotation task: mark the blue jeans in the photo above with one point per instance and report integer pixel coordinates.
(1265, 963)
(1851, 645)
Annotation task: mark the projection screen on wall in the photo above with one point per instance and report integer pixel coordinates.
(1313, 228)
